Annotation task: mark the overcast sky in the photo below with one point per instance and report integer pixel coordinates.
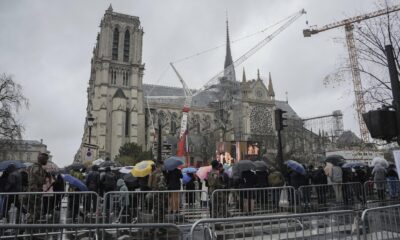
(47, 46)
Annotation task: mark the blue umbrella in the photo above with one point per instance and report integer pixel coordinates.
(74, 182)
(353, 165)
(173, 162)
(186, 178)
(295, 166)
(17, 163)
(189, 170)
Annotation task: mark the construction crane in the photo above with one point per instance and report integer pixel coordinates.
(348, 25)
(188, 95)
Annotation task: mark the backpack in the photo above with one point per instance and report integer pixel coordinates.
(275, 179)
(337, 174)
(109, 182)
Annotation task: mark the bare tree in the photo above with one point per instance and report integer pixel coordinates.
(371, 37)
(11, 100)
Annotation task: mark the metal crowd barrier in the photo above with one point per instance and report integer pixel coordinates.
(226, 203)
(322, 225)
(49, 207)
(382, 193)
(179, 207)
(381, 223)
(90, 231)
(326, 197)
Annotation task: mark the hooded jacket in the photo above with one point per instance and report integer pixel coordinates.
(124, 198)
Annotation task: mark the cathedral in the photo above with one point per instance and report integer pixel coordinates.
(233, 119)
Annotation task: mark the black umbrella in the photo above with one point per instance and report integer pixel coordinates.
(336, 160)
(261, 166)
(241, 166)
(130, 181)
(76, 166)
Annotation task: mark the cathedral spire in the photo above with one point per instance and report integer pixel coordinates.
(244, 76)
(228, 66)
(271, 91)
(258, 74)
(110, 9)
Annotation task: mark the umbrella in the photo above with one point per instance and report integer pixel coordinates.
(98, 161)
(17, 163)
(336, 160)
(241, 166)
(51, 167)
(202, 173)
(186, 178)
(74, 182)
(126, 169)
(353, 165)
(109, 164)
(173, 162)
(189, 170)
(381, 161)
(261, 166)
(76, 166)
(130, 181)
(295, 166)
(142, 169)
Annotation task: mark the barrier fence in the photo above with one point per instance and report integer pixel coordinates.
(314, 198)
(252, 201)
(180, 207)
(383, 192)
(326, 225)
(90, 231)
(381, 223)
(49, 208)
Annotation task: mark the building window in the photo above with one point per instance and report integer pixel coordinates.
(113, 77)
(126, 46)
(125, 78)
(127, 119)
(115, 44)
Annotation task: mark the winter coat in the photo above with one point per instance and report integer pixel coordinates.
(296, 179)
(262, 179)
(379, 174)
(13, 182)
(318, 177)
(124, 198)
(173, 179)
(249, 179)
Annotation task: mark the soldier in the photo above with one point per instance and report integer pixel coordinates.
(160, 201)
(36, 178)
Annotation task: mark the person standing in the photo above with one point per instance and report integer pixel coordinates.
(275, 180)
(215, 180)
(190, 186)
(108, 183)
(93, 184)
(379, 174)
(318, 177)
(248, 180)
(335, 178)
(393, 182)
(13, 185)
(174, 183)
(36, 179)
(157, 182)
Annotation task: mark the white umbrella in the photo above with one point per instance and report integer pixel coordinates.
(380, 161)
(98, 161)
(126, 169)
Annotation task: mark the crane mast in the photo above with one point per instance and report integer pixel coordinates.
(352, 50)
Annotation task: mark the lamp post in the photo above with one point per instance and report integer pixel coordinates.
(90, 121)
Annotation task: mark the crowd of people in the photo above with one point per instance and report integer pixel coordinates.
(36, 179)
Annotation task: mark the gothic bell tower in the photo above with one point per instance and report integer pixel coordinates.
(115, 95)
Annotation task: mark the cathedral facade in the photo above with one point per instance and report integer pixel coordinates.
(224, 115)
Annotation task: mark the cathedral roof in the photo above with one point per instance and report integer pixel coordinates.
(290, 113)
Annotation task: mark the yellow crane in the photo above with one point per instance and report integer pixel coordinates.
(348, 25)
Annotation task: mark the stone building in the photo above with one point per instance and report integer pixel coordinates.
(230, 111)
(24, 150)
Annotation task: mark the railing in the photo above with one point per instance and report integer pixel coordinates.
(180, 207)
(326, 225)
(381, 223)
(382, 193)
(326, 197)
(90, 231)
(49, 208)
(226, 203)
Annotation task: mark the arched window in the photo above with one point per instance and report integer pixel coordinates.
(126, 46)
(115, 44)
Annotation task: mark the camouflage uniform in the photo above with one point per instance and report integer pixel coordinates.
(36, 179)
(160, 200)
(219, 202)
